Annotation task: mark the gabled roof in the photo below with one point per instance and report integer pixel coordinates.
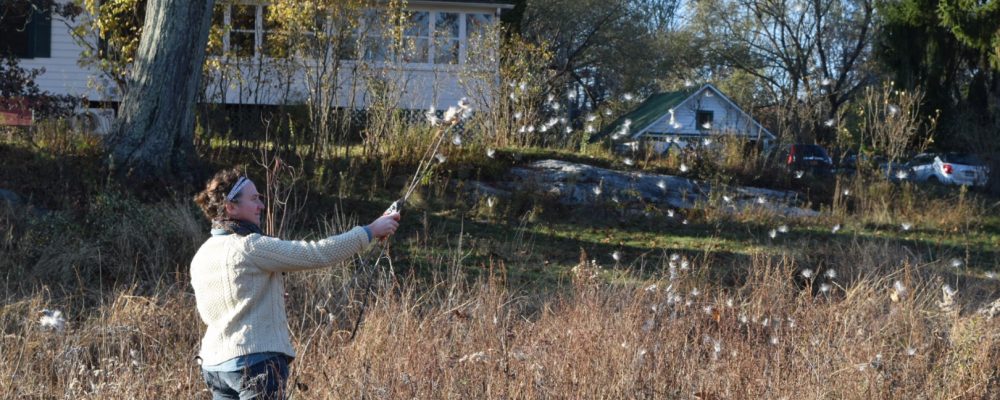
(658, 105)
(646, 113)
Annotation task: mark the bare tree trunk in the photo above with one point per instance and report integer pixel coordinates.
(154, 134)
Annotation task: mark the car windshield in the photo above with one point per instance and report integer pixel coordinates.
(964, 159)
(810, 150)
(923, 159)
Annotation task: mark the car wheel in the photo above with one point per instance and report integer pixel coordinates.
(933, 180)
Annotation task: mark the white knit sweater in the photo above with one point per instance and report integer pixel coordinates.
(240, 293)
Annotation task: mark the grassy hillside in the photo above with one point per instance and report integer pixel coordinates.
(521, 299)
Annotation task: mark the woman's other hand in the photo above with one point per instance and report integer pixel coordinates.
(385, 225)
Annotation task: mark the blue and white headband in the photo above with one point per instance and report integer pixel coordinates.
(240, 183)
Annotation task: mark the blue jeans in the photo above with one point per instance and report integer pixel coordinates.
(265, 380)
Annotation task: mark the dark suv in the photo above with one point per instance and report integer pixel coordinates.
(808, 158)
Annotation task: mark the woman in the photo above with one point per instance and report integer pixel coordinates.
(238, 287)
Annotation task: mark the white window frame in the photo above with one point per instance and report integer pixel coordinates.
(430, 64)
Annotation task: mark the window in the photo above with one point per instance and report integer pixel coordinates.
(477, 26)
(25, 32)
(318, 37)
(446, 39)
(476, 48)
(348, 45)
(704, 119)
(430, 37)
(376, 46)
(275, 44)
(242, 36)
(217, 32)
(417, 37)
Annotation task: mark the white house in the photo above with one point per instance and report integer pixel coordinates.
(441, 34)
(682, 118)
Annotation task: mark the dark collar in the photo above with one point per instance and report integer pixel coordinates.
(241, 228)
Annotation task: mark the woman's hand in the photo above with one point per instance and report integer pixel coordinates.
(384, 226)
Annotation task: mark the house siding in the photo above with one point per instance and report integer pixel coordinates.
(63, 75)
(419, 88)
(422, 85)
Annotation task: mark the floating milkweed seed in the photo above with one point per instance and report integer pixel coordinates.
(628, 161)
(957, 262)
(491, 153)
(52, 319)
(830, 122)
(772, 233)
(617, 256)
(847, 192)
(807, 273)
(684, 168)
(431, 116)
(799, 174)
(457, 140)
(727, 199)
(783, 229)
(830, 273)
(661, 184)
(451, 114)
(825, 287)
(835, 228)
(440, 157)
(899, 288)
(907, 226)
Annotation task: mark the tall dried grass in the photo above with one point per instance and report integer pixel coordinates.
(679, 334)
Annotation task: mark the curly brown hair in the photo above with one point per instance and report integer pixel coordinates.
(212, 200)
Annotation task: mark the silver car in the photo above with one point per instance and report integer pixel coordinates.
(959, 169)
(921, 167)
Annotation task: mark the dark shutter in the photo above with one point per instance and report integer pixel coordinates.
(41, 33)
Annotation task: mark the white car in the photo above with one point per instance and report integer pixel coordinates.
(921, 167)
(959, 169)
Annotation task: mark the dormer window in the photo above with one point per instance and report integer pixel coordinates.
(705, 119)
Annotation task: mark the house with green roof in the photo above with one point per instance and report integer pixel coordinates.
(683, 118)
